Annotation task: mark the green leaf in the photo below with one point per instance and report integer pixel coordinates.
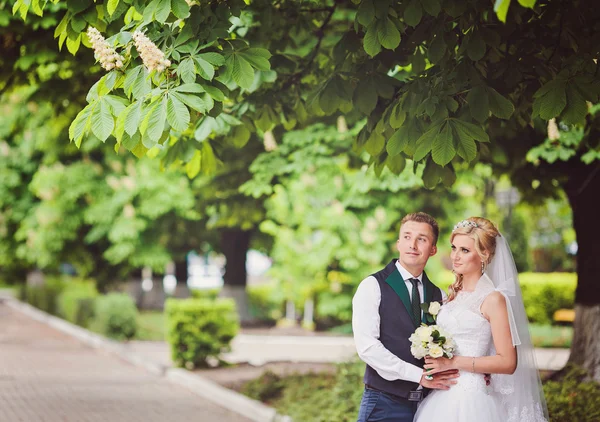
(209, 161)
(433, 7)
(365, 96)
(388, 35)
(180, 8)
(241, 71)
(205, 69)
(133, 117)
(476, 47)
(448, 176)
(479, 105)
(365, 13)
(155, 123)
(554, 101)
(257, 57)
(205, 128)
(329, 101)
(187, 70)
(77, 128)
(102, 121)
(375, 143)
(136, 83)
(213, 58)
(214, 92)
(111, 6)
(437, 49)
(470, 130)
(443, 147)
(425, 143)
(397, 117)
(432, 175)
(192, 168)
(371, 42)
(178, 114)
(501, 9)
(163, 9)
(397, 143)
(576, 109)
(190, 88)
(500, 106)
(396, 164)
(466, 147)
(241, 136)
(527, 3)
(73, 44)
(413, 13)
(192, 101)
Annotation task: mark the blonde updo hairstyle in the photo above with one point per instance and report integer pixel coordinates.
(484, 233)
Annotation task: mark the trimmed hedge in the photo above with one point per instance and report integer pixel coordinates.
(115, 316)
(543, 293)
(44, 296)
(76, 302)
(200, 329)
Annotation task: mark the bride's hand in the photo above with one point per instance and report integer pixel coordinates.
(435, 365)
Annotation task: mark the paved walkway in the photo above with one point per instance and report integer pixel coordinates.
(261, 349)
(47, 376)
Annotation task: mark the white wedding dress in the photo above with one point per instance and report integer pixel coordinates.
(470, 400)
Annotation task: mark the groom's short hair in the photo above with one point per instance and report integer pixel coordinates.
(423, 217)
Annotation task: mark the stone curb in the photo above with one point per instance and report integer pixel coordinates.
(224, 397)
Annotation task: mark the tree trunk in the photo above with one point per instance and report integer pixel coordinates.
(181, 274)
(582, 190)
(234, 245)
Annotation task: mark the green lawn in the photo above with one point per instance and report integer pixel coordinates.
(151, 326)
(550, 335)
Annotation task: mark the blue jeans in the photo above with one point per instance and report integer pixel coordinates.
(377, 406)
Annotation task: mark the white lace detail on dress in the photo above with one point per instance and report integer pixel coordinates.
(472, 333)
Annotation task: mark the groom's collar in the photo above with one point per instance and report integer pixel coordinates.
(406, 274)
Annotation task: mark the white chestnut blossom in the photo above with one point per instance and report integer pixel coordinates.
(153, 58)
(106, 55)
(553, 132)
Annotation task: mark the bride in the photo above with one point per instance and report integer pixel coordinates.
(485, 316)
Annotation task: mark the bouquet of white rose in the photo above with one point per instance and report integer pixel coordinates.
(431, 340)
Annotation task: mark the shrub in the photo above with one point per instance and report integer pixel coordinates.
(573, 398)
(211, 294)
(543, 293)
(76, 302)
(315, 397)
(200, 329)
(115, 316)
(265, 302)
(44, 296)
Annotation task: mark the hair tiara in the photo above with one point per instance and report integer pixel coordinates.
(465, 223)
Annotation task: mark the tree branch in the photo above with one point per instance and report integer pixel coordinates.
(320, 34)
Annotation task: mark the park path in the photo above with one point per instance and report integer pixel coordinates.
(48, 376)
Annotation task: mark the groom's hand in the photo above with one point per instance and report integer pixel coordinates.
(441, 380)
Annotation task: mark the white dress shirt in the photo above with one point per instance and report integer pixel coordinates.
(365, 325)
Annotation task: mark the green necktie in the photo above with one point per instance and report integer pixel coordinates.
(415, 303)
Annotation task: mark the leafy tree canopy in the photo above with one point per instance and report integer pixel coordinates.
(429, 76)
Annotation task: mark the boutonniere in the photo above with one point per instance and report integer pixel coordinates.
(430, 311)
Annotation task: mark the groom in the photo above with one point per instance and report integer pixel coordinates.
(385, 312)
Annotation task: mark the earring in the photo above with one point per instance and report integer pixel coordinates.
(482, 267)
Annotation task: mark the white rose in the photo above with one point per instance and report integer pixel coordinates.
(435, 351)
(424, 334)
(434, 308)
(419, 352)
